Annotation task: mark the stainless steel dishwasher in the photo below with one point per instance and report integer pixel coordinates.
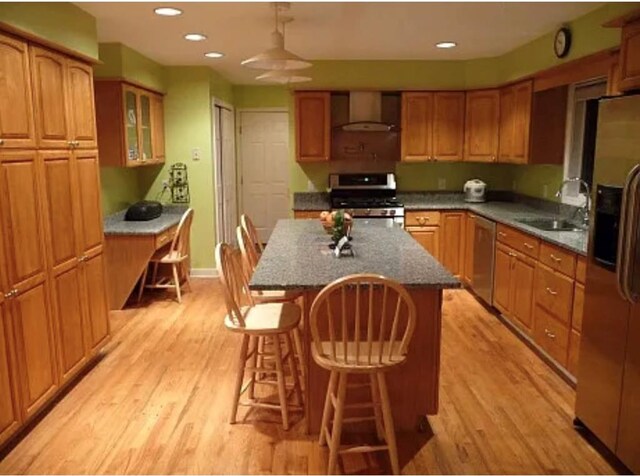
(484, 250)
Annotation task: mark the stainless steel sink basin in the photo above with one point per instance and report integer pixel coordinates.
(550, 224)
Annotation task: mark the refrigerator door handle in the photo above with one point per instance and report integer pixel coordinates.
(625, 238)
(632, 232)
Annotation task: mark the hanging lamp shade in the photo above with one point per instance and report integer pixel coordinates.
(283, 77)
(276, 58)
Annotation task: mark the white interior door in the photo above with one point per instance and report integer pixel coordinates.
(226, 176)
(265, 168)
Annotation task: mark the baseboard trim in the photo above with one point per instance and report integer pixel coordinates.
(204, 272)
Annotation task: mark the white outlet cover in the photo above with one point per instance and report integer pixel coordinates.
(310, 186)
(195, 153)
(442, 183)
(545, 191)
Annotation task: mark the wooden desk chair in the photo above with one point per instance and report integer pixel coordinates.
(176, 255)
(275, 320)
(250, 257)
(360, 324)
(247, 224)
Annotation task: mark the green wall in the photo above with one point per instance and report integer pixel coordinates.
(60, 22)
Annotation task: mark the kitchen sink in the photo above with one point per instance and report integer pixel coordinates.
(550, 224)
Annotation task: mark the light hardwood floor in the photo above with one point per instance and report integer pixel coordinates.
(159, 402)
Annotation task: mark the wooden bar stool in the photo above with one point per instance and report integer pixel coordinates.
(247, 225)
(254, 321)
(360, 324)
(176, 256)
(250, 257)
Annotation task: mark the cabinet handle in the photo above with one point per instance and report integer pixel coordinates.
(513, 255)
(493, 158)
(549, 334)
(552, 292)
(555, 258)
(528, 246)
(8, 295)
(502, 234)
(1, 141)
(435, 158)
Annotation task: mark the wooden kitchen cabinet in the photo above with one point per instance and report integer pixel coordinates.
(81, 105)
(97, 322)
(470, 232)
(432, 126)
(428, 237)
(417, 127)
(17, 129)
(313, 126)
(130, 123)
(452, 246)
(90, 209)
(502, 278)
(482, 123)
(515, 122)
(9, 405)
(630, 57)
(307, 214)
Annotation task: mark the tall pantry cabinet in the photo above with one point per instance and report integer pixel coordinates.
(53, 309)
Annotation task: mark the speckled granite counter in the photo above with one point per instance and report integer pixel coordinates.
(116, 224)
(502, 212)
(297, 257)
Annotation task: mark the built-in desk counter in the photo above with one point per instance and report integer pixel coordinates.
(130, 245)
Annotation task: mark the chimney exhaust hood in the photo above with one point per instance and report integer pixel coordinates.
(365, 113)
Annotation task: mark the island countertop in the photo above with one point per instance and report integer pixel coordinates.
(298, 257)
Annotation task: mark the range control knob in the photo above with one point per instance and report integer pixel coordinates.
(367, 211)
(392, 212)
(383, 212)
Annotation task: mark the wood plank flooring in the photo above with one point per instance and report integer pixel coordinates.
(159, 401)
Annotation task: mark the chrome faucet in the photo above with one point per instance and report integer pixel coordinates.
(586, 208)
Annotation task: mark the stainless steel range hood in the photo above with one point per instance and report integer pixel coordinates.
(365, 113)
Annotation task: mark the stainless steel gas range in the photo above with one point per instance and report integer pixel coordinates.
(370, 197)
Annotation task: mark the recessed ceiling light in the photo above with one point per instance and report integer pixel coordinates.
(447, 44)
(214, 54)
(195, 37)
(168, 11)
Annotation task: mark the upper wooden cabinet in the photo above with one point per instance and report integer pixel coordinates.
(64, 105)
(16, 117)
(130, 123)
(432, 126)
(515, 122)
(482, 125)
(313, 126)
(630, 57)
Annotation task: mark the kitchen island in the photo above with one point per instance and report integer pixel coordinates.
(298, 258)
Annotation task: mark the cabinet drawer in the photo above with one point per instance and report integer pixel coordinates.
(554, 292)
(418, 218)
(581, 269)
(558, 259)
(306, 214)
(551, 335)
(519, 241)
(165, 237)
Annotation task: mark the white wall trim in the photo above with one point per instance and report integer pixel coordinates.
(204, 272)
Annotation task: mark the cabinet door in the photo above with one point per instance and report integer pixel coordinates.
(448, 126)
(630, 57)
(50, 92)
(70, 327)
(157, 127)
(9, 404)
(429, 238)
(313, 123)
(90, 211)
(452, 250)
(522, 279)
(502, 279)
(146, 139)
(470, 231)
(22, 221)
(97, 323)
(34, 346)
(523, 97)
(16, 108)
(131, 120)
(507, 116)
(82, 112)
(417, 126)
(481, 125)
(60, 209)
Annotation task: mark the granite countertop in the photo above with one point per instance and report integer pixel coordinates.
(502, 212)
(116, 224)
(298, 257)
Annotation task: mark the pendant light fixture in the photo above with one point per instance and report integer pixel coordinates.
(277, 57)
(283, 77)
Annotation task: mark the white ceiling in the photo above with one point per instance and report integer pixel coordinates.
(336, 31)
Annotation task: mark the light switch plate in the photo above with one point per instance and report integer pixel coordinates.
(545, 190)
(195, 153)
(442, 183)
(310, 186)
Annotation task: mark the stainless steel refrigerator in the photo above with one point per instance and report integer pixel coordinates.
(608, 392)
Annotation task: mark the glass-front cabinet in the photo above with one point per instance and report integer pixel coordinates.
(130, 122)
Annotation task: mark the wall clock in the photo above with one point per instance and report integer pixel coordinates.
(562, 42)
